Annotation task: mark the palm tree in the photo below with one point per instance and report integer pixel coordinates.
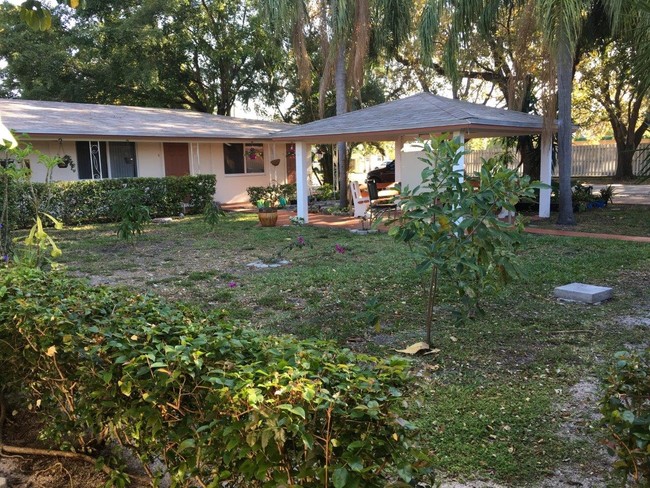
(559, 22)
(344, 31)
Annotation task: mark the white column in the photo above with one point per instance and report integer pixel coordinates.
(399, 145)
(546, 165)
(302, 179)
(460, 166)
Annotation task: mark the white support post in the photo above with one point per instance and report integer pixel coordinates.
(460, 166)
(302, 179)
(399, 145)
(545, 175)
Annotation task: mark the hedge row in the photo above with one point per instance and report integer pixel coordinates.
(220, 404)
(79, 202)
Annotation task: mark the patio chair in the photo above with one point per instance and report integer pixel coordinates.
(379, 205)
(361, 204)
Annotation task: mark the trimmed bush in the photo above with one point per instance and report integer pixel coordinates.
(89, 201)
(212, 401)
(626, 410)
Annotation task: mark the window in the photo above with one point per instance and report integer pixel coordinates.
(243, 158)
(94, 159)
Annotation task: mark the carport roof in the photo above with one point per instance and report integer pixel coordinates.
(414, 116)
(60, 119)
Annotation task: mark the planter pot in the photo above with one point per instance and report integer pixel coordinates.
(62, 165)
(268, 217)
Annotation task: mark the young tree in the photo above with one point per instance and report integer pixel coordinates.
(453, 229)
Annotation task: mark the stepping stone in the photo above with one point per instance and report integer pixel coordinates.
(581, 292)
(3, 483)
(162, 220)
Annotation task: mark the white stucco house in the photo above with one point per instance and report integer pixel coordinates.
(112, 141)
(107, 141)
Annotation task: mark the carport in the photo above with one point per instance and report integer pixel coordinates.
(412, 118)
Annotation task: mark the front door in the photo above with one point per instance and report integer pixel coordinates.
(177, 158)
(291, 163)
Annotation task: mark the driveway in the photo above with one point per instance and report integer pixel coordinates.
(628, 194)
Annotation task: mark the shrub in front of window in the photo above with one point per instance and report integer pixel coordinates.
(89, 201)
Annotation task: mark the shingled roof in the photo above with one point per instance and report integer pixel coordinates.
(417, 115)
(59, 119)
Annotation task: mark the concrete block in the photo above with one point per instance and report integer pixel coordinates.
(581, 292)
(3, 483)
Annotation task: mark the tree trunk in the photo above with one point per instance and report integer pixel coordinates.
(341, 108)
(564, 89)
(530, 156)
(624, 156)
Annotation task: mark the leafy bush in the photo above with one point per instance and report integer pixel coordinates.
(214, 402)
(271, 195)
(626, 410)
(130, 212)
(77, 202)
(325, 192)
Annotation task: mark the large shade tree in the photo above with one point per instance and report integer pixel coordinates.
(559, 22)
(202, 55)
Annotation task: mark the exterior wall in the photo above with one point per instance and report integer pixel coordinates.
(51, 148)
(205, 158)
(411, 165)
(232, 188)
(149, 156)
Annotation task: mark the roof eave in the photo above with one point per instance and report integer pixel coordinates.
(469, 130)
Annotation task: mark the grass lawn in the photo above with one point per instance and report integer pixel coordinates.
(629, 220)
(510, 397)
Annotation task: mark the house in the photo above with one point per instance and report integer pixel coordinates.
(116, 141)
(113, 141)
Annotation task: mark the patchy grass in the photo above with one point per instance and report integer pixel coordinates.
(492, 403)
(629, 220)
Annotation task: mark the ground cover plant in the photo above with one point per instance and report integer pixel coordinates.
(511, 396)
(214, 403)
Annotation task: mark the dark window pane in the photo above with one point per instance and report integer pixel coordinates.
(233, 155)
(123, 163)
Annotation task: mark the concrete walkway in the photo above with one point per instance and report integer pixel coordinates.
(627, 194)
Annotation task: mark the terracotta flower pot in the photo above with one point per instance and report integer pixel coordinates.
(268, 217)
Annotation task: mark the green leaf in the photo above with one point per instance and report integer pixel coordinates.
(340, 477)
(186, 444)
(628, 416)
(125, 387)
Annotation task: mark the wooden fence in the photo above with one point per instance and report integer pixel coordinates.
(591, 160)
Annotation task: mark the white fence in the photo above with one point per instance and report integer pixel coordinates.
(592, 160)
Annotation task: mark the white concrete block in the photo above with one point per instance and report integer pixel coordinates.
(581, 292)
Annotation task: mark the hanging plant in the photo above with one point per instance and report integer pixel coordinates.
(252, 153)
(66, 161)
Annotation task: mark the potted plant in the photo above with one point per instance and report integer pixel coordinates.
(266, 199)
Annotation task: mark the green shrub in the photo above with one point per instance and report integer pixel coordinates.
(130, 212)
(214, 402)
(212, 215)
(89, 201)
(271, 195)
(626, 410)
